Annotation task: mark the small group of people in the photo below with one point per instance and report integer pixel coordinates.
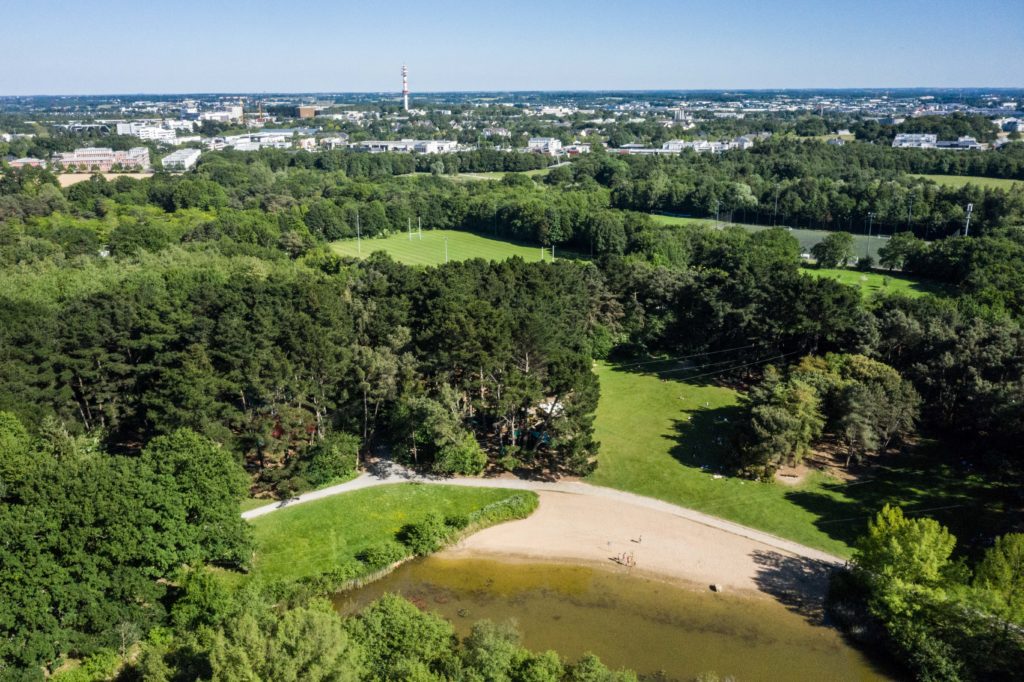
(627, 559)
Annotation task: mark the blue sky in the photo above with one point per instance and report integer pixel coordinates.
(116, 46)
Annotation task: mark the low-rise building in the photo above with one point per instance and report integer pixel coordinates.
(103, 158)
(26, 161)
(915, 140)
(145, 131)
(544, 145)
(181, 160)
(418, 146)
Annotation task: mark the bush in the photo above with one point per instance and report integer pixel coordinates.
(335, 457)
(516, 507)
(100, 666)
(464, 456)
(383, 554)
(426, 536)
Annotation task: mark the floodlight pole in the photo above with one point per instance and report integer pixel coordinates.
(910, 211)
(359, 236)
(967, 224)
(552, 253)
(419, 227)
(775, 211)
(867, 244)
(409, 226)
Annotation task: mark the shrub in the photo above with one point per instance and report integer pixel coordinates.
(335, 457)
(426, 536)
(463, 456)
(383, 554)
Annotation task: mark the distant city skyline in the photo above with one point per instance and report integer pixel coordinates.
(114, 46)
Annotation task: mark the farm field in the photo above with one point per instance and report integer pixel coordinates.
(806, 237)
(961, 180)
(668, 438)
(871, 283)
(312, 538)
(431, 248)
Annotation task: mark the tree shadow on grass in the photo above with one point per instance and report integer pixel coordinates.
(973, 507)
(797, 583)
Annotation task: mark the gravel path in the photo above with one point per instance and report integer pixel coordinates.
(387, 473)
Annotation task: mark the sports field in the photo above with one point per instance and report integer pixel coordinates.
(430, 249)
(871, 283)
(807, 238)
(667, 437)
(961, 180)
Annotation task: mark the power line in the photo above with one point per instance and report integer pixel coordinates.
(678, 357)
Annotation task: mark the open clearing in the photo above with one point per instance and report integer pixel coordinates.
(430, 249)
(310, 539)
(68, 179)
(861, 242)
(666, 438)
(962, 180)
(871, 283)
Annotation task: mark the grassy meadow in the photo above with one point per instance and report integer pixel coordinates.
(668, 438)
(962, 180)
(315, 537)
(871, 283)
(431, 248)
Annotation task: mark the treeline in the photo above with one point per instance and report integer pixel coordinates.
(268, 358)
(946, 127)
(807, 184)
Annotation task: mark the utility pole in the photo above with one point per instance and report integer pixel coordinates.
(775, 211)
(552, 253)
(867, 244)
(910, 211)
(408, 225)
(419, 227)
(967, 224)
(359, 236)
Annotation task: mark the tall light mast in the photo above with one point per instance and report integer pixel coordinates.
(405, 87)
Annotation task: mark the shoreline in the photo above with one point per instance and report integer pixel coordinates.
(581, 530)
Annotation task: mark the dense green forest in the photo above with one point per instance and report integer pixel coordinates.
(169, 344)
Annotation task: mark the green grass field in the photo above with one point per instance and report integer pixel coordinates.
(658, 431)
(315, 537)
(861, 242)
(961, 180)
(431, 248)
(871, 283)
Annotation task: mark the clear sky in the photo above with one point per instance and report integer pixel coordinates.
(141, 46)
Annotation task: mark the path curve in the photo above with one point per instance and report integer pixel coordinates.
(388, 473)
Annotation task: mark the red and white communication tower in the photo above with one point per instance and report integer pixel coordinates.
(405, 87)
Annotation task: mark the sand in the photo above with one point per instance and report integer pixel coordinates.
(584, 529)
(68, 179)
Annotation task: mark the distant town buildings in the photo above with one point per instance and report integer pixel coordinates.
(231, 114)
(181, 160)
(418, 146)
(930, 141)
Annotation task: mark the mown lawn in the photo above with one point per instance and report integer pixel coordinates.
(430, 249)
(667, 438)
(961, 180)
(871, 283)
(315, 537)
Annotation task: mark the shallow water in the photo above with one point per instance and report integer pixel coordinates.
(628, 620)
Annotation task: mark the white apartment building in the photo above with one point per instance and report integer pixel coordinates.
(915, 140)
(544, 145)
(418, 146)
(103, 158)
(225, 115)
(182, 159)
(145, 131)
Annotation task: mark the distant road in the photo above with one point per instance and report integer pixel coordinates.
(388, 473)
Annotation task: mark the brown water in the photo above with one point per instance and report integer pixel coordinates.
(628, 621)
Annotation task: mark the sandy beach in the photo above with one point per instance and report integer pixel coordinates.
(577, 528)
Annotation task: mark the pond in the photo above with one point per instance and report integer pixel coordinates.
(628, 620)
